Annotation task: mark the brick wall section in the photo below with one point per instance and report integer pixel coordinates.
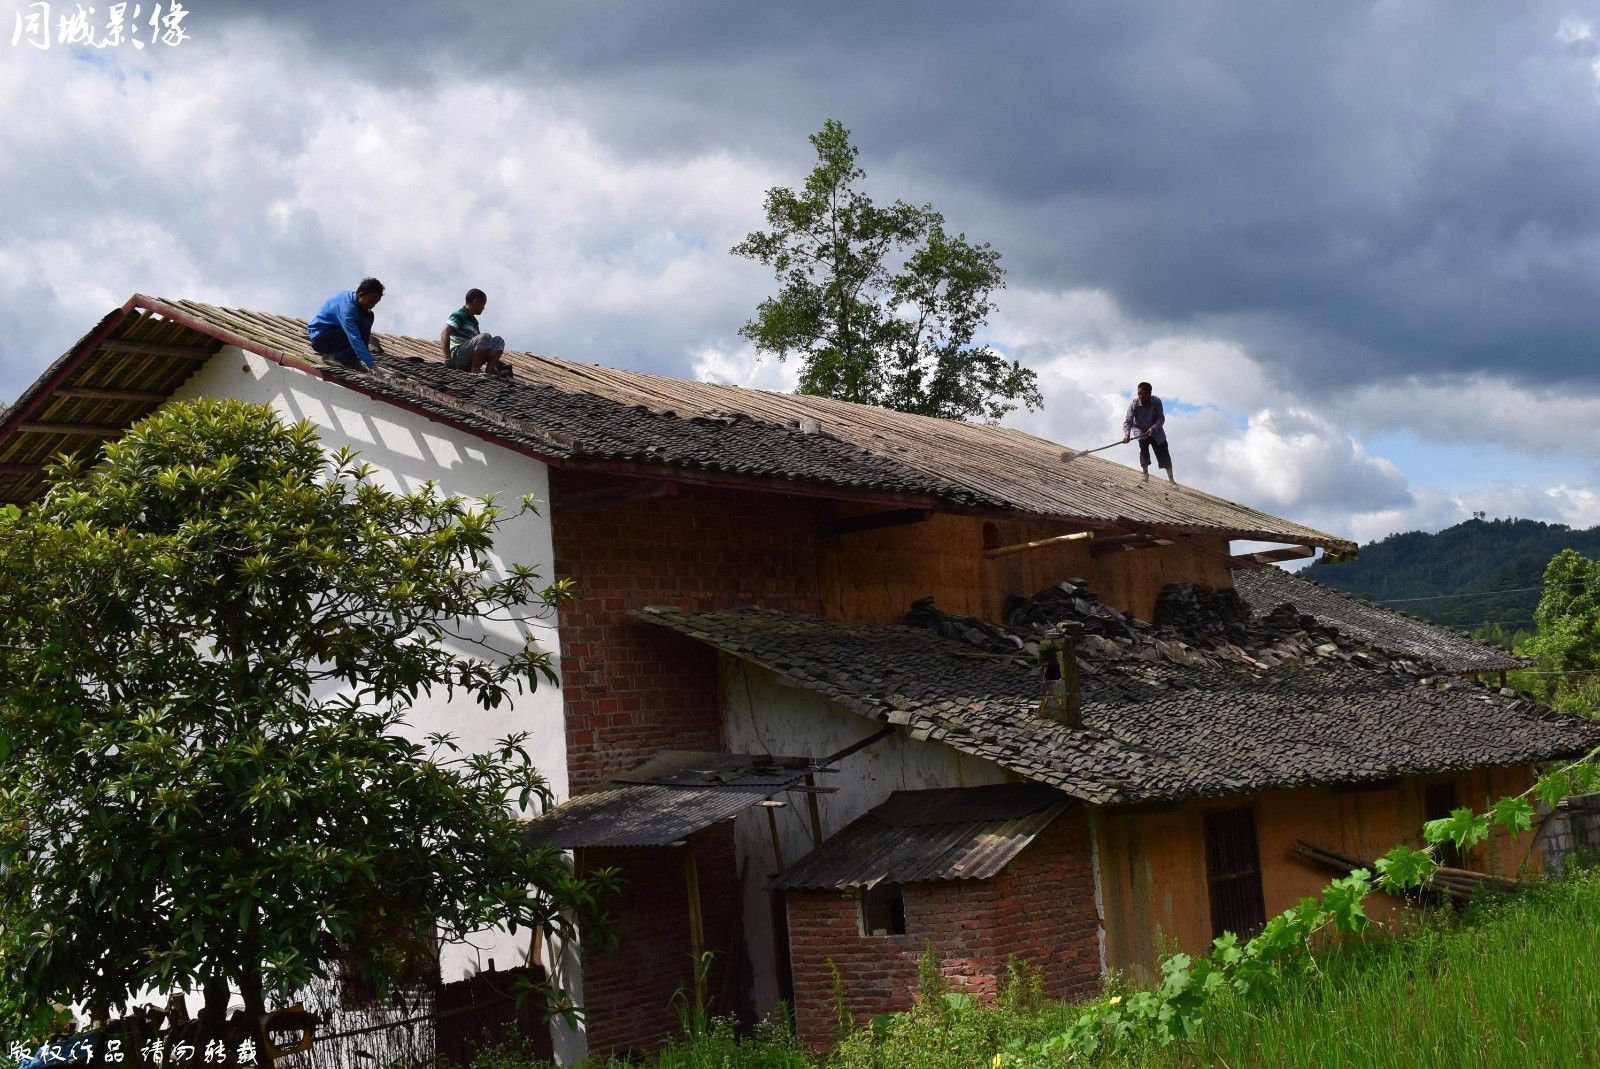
(1040, 909)
(628, 989)
(631, 690)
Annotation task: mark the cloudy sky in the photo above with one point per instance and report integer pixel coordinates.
(1355, 246)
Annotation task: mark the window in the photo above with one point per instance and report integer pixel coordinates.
(883, 910)
(1233, 873)
(1438, 799)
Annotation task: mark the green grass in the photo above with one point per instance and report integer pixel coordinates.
(1514, 982)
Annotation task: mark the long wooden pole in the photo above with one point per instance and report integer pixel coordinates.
(1023, 547)
(697, 931)
(815, 810)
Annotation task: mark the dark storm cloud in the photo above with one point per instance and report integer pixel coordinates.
(1374, 189)
(1356, 192)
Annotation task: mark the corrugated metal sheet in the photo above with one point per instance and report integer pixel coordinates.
(668, 798)
(965, 833)
(965, 464)
(636, 814)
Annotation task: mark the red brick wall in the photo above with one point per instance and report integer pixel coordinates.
(631, 690)
(628, 989)
(1040, 909)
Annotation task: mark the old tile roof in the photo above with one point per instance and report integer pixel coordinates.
(1167, 713)
(627, 422)
(670, 797)
(960, 833)
(1263, 589)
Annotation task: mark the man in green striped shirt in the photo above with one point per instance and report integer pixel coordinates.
(466, 347)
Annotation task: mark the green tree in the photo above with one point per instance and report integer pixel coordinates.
(208, 646)
(1568, 636)
(881, 304)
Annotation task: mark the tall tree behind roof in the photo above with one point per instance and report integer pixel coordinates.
(880, 303)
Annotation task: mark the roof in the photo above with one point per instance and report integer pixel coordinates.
(625, 422)
(668, 798)
(960, 833)
(1270, 707)
(1263, 589)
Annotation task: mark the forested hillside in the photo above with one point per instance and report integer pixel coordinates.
(1476, 555)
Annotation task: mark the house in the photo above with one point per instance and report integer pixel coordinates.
(745, 717)
(1265, 588)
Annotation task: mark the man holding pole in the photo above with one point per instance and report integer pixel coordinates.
(1147, 419)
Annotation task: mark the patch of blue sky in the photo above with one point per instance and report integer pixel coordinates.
(1467, 465)
(100, 60)
(1173, 406)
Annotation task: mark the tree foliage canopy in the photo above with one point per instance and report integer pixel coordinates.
(1568, 618)
(881, 303)
(208, 646)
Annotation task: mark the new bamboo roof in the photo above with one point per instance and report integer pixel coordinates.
(624, 422)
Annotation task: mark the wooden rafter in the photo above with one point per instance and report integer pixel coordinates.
(1272, 556)
(81, 430)
(606, 496)
(872, 521)
(146, 348)
(97, 393)
(1126, 543)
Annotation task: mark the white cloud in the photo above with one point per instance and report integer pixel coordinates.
(743, 367)
(1479, 410)
(213, 176)
(1573, 31)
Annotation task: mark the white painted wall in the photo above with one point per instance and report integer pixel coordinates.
(760, 714)
(407, 449)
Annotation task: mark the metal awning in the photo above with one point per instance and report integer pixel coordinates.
(669, 798)
(961, 833)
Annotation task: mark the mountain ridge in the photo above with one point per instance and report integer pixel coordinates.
(1424, 573)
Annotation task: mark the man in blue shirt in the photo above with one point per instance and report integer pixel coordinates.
(1146, 417)
(341, 330)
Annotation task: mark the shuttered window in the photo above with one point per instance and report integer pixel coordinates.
(1233, 873)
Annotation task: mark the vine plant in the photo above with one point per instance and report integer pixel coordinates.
(1175, 1008)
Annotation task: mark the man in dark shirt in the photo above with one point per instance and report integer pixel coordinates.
(466, 347)
(1146, 417)
(342, 328)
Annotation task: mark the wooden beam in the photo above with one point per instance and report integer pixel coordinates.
(873, 521)
(1272, 556)
(95, 393)
(82, 430)
(697, 930)
(811, 791)
(1024, 547)
(145, 348)
(21, 469)
(859, 745)
(606, 496)
(1126, 543)
(777, 841)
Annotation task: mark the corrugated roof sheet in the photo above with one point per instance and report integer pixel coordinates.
(670, 797)
(962, 833)
(1163, 722)
(1263, 589)
(574, 412)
